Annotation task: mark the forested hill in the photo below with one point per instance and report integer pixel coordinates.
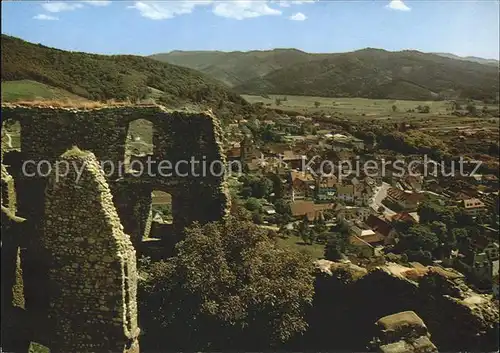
(102, 77)
(371, 73)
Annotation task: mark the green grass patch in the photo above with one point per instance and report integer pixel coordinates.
(38, 348)
(27, 90)
(316, 251)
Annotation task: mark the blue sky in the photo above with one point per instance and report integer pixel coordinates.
(146, 27)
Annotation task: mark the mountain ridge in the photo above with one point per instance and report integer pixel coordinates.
(359, 73)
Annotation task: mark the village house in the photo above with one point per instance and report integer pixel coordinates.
(295, 161)
(362, 231)
(326, 188)
(345, 193)
(473, 206)
(234, 152)
(404, 216)
(309, 209)
(363, 248)
(302, 185)
(351, 213)
(382, 228)
(405, 200)
(491, 201)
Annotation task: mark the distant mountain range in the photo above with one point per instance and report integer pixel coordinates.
(371, 73)
(470, 58)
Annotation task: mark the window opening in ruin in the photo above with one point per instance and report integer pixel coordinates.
(161, 207)
(11, 135)
(139, 143)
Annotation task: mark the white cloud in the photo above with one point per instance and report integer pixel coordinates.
(237, 9)
(161, 10)
(288, 3)
(299, 16)
(283, 3)
(397, 5)
(44, 17)
(99, 3)
(59, 6)
(242, 9)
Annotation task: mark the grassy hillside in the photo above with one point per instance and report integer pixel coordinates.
(370, 73)
(28, 90)
(235, 68)
(102, 77)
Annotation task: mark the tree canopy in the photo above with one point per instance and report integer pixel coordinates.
(229, 286)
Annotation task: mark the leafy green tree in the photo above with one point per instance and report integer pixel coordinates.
(418, 237)
(440, 229)
(394, 108)
(228, 287)
(303, 230)
(429, 212)
(319, 226)
(282, 207)
(277, 101)
(253, 204)
(256, 186)
(333, 248)
(317, 104)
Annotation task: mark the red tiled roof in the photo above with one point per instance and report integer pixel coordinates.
(379, 225)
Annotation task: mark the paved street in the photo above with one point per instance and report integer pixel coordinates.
(379, 195)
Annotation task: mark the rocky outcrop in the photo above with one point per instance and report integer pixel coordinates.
(403, 332)
(348, 302)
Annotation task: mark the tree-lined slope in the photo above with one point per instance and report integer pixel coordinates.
(235, 68)
(371, 73)
(101, 77)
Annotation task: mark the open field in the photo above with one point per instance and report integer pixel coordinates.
(438, 119)
(316, 251)
(31, 90)
(161, 198)
(375, 108)
(355, 107)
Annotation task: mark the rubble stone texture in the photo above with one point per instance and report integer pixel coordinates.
(403, 332)
(47, 133)
(92, 275)
(459, 318)
(178, 136)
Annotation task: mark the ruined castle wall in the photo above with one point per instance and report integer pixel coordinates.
(133, 204)
(92, 272)
(48, 132)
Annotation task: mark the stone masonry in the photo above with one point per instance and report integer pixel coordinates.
(76, 240)
(92, 265)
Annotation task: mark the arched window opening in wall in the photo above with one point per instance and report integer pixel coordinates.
(140, 143)
(161, 207)
(11, 135)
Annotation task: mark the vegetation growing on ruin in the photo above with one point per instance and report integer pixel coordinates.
(229, 286)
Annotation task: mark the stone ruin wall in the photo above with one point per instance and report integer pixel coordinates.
(92, 276)
(46, 133)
